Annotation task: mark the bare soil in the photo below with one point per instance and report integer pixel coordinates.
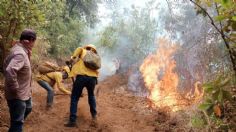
(118, 111)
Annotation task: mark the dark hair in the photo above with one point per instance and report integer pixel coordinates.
(28, 34)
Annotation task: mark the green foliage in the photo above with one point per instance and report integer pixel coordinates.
(224, 22)
(15, 15)
(109, 37)
(66, 21)
(198, 122)
(61, 22)
(226, 14)
(206, 106)
(133, 31)
(216, 94)
(234, 18)
(83, 9)
(215, 90)
(64, 33)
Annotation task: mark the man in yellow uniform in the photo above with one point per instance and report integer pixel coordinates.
(48, 80)
(85, 77)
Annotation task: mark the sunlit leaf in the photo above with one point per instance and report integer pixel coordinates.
(205, 106)
(220, 17)
(198, 122)
(1, 13)
(220, 96)
(209, 3)
(208, 100)
(215, 94)
(225, 1)
(234, 18)
(208, 87)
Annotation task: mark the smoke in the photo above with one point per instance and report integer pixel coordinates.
(117, 60)
(124, 55)
(136, 83)
(175, 19)
(108, 68)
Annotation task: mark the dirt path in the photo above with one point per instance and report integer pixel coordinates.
(118, 111)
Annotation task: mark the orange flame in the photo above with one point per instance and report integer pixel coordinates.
(159, 76)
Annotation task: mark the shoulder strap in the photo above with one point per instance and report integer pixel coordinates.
(48, 76)
(81, 53)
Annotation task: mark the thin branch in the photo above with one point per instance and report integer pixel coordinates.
(221, 27)
(218, 15)
(212, 21)
(221, 33)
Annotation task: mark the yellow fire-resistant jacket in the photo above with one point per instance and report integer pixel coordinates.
(79, 68)
(53, 78)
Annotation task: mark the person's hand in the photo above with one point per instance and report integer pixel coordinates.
(68, 62)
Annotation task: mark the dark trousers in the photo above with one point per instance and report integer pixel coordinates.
(50, 91)
(19, 110)
(80, 83)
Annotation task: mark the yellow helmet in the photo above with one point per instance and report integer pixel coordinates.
(66, 69)
(91, 46)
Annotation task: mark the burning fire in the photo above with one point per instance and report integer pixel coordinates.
(160, 77)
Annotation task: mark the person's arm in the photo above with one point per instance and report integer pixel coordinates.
(15, 64)
(60, 86)
(76, 53)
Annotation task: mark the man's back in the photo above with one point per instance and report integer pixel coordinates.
(79, 67)
(17, 72)
(53, 78)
